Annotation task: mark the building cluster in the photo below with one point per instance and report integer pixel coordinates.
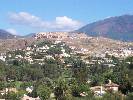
(107, 62)
(120, 53)
(37, 54)
(78, 50)
(60, 35)
(51, 35)
(14, 90)
(34, 54)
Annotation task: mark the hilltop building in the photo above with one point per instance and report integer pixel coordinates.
(52, 35)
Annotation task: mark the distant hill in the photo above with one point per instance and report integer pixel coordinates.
(119, 28)
(29, 35)
(5, 35)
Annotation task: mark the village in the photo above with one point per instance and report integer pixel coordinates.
(49, 47)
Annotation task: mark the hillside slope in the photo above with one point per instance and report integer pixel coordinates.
(5, 35)
(119, 28)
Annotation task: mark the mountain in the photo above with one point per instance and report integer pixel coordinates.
(29, 35)
(119, 28)
(6, 35)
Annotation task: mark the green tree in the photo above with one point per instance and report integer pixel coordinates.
(80, 71)
(2, 85)
(12, 96)
(43, 92)
(129, 96)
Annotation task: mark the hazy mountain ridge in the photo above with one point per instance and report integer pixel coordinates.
(5, 35)
(29, 35)
(119, 28)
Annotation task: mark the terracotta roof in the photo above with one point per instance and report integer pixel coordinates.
(111, 85)
(97, 88)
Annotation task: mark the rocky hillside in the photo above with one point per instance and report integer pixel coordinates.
(5, 35)
(119, 28)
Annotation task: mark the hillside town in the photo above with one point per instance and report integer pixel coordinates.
(53, 59)
(66, 49)
(67, 37)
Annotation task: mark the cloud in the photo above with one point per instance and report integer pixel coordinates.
(62, 23)
(67, 23)
(12, 31)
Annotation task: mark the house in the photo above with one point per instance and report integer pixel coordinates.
(3, 58)
(29, 59)
(63, 50)
(11, 90)
(72, 47)
(2, 92)
(42, 49)
(64, 55)
(52, 96)
(51, 35)
(25, 97)
(29, 89)
(29, 53)
(83, 94)
(49, 57)
(111, 86)
(6, 90)
(28, 48)
(57, 42)
(9, 55)
(98, 90)
(18, 56)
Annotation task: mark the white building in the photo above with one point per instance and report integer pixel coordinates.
(98, 90)
(3, 58)
(25, 97)
(112, 86)
(29, 89)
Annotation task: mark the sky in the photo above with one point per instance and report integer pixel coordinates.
(22, 17)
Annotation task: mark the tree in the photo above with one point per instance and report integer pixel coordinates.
(61, 89)
(78, 88)
(46, 81)
(12, 96)
(129, 96)
(43, 92)
(54, 50)
(52, 71)
(80, 71)
(24, 85)
(2, 85)
(2, 71)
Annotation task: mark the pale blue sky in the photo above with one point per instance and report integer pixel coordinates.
(27, 16)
